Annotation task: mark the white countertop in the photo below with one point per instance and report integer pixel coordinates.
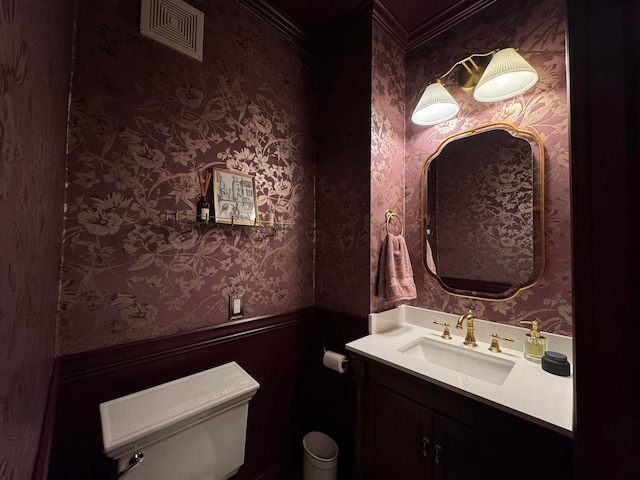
(528, 392)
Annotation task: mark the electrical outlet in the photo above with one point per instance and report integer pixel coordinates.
(236, 306)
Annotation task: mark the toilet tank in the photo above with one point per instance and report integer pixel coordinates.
(193, 428)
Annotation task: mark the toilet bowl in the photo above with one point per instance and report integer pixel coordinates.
(193, 428)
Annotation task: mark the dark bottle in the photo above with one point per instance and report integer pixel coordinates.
(202, 210)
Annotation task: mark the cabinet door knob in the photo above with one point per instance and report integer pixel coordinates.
(425, 446)
(439, 453)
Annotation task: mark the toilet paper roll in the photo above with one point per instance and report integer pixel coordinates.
(335, 361)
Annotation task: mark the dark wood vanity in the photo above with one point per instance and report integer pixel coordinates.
(409, 428)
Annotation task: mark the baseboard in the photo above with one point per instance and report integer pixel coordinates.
(41, 467)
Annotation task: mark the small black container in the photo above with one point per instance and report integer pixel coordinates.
(556, 363)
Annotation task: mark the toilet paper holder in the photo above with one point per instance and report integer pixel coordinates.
(335, 361)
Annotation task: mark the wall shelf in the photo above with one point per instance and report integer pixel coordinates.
(186, 224)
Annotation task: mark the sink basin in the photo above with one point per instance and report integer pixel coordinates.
(485, 367)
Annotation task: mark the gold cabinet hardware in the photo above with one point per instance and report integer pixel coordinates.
(439, 454)
(446, 334)
(425, 446)
(495, 346)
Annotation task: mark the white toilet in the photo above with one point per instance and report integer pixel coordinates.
(193, 428)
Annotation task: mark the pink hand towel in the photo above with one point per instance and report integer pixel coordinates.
(395, 275)
(430, 263)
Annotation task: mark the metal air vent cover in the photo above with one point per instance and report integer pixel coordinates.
(175, 24)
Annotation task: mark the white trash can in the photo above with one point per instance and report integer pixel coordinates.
(320, 457)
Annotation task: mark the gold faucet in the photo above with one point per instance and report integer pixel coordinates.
(469, 339)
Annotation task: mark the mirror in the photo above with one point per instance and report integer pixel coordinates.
(482, 212)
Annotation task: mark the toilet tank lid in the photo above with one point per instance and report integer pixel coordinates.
(148, 412)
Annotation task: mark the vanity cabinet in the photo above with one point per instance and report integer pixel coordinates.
(406, 440)
(409, 428)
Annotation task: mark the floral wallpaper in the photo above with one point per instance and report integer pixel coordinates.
(342, 171)
(144, 121)
(387, 147)
(537, 29)
(35, 66)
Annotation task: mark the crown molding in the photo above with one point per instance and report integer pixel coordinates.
(376, 9)
(277, 19)
(445, 20)
(392, 26)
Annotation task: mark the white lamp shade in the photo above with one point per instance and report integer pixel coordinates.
(507, 75)
(435, 106)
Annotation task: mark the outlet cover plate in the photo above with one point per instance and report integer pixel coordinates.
(236, 306)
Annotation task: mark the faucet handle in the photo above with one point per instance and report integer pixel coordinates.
(446, 334)
(495, 346)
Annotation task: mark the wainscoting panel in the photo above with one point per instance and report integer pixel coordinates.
(282, 352)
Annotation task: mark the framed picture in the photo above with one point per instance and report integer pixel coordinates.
(234, 198)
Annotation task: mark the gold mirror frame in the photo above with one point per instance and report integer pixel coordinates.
(538, 211)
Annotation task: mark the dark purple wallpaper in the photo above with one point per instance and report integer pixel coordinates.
(342, 175)
(144, 121)
(537, 29)
(35, 65)
(387, 147)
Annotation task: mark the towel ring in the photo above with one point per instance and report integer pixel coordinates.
(388, 215)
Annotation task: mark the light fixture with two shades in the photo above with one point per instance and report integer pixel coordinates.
(506, 75)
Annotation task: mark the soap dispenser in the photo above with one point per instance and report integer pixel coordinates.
(534, 344)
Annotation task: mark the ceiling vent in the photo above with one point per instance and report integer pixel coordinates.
(175, 24)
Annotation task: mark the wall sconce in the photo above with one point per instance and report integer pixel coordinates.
(505, 76)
